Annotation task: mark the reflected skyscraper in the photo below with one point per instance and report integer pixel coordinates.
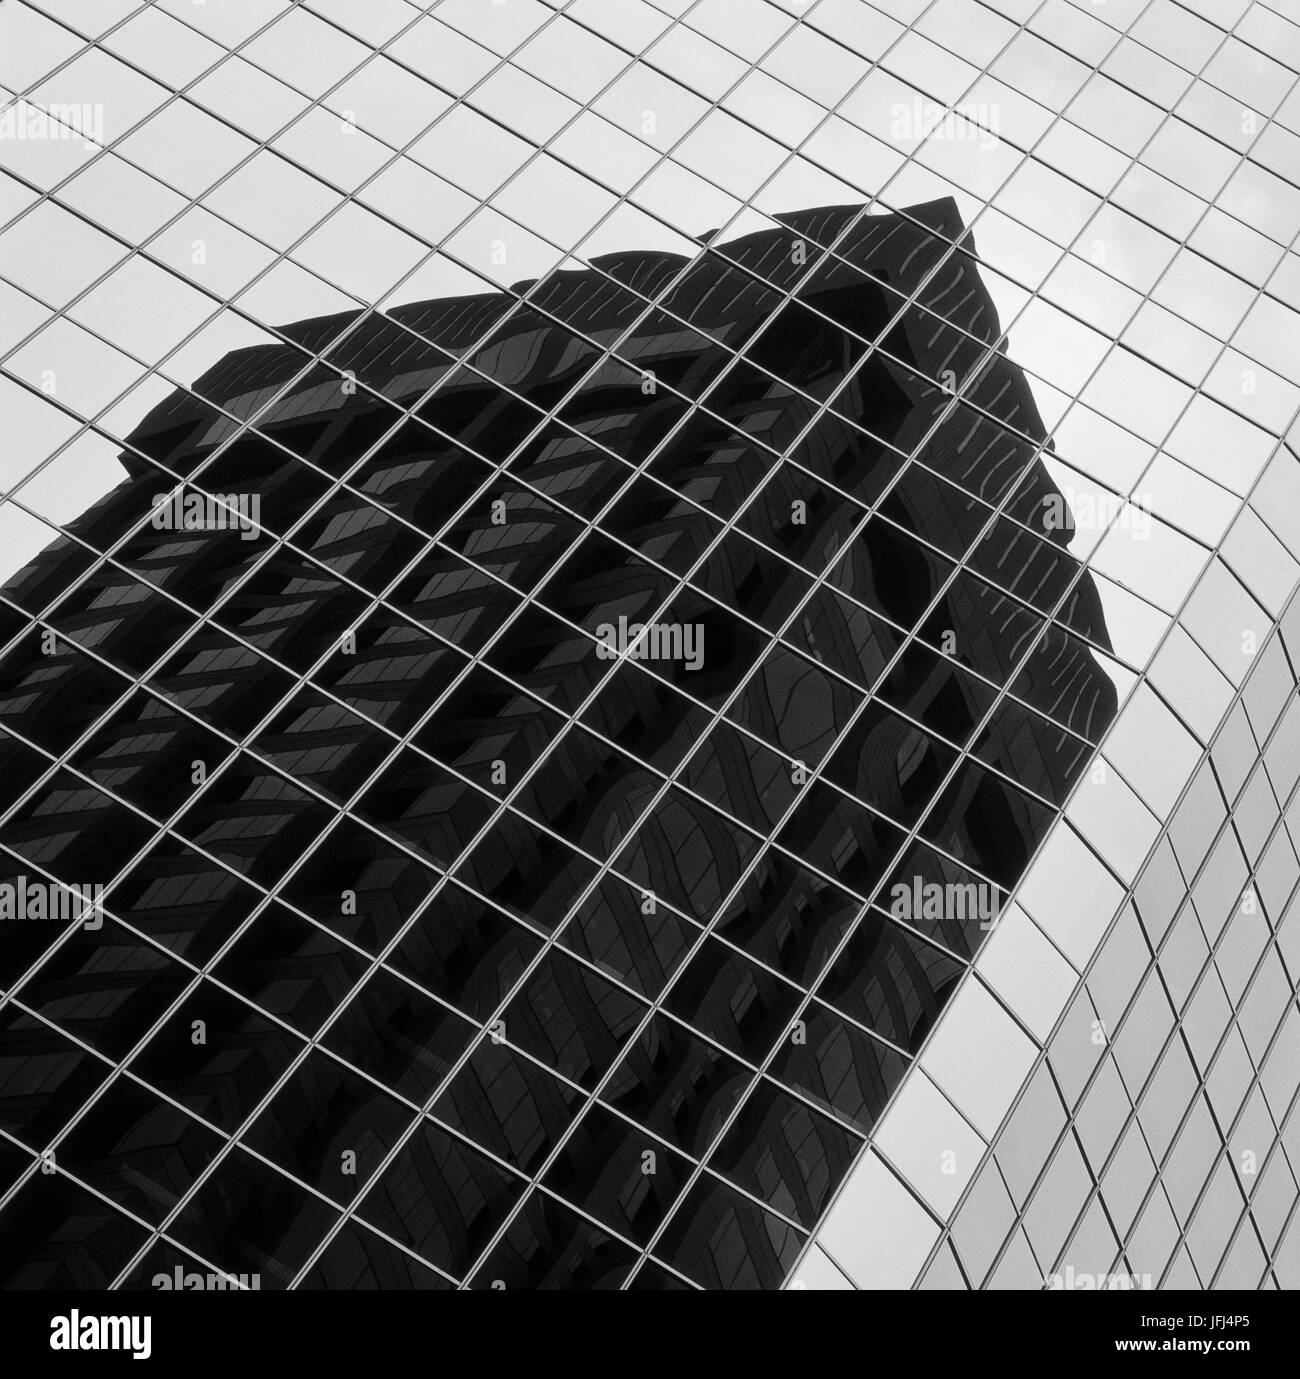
(618, 906)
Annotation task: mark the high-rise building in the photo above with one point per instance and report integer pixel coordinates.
(653, 737)
(570, 850)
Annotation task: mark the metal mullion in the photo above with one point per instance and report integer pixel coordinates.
(720, 250)
(1174, 61)
(991, 353)
(1206, 19)
(1202, 1084)
(1248, 1216)
(168, 832)
(365, 312)
(1201, 1089)
(953, 52)
(379, 602)
(608, 213)
(757, 540)
(283, 1169)
(115, 1207)
(1134, 1115)
(1146, 296)
(1285, 1233)
(275, 1166)
(174, 95)
(305, 677)
(279, 1169)
(1178, 1021)
(684, 19)
(1142, 676)
(246, 750)
(811, 994)
(349, 196)
(986, 72)
(62, 762)
(244, 425)
(1171, 1039)
(280, 255)
(396, 939)
(778, 641)
(17, 996)
(370, 501)
(230, 304)
(932, 804)
(661, 792)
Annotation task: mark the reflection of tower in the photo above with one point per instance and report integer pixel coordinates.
(269, 816)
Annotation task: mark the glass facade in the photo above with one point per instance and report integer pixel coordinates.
(649, 644)
(1109, 1103)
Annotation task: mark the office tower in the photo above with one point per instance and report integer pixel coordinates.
(578, 731)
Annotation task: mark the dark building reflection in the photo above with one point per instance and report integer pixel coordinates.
(192, 646)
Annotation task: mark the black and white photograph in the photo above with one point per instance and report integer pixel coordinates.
(649, 645)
